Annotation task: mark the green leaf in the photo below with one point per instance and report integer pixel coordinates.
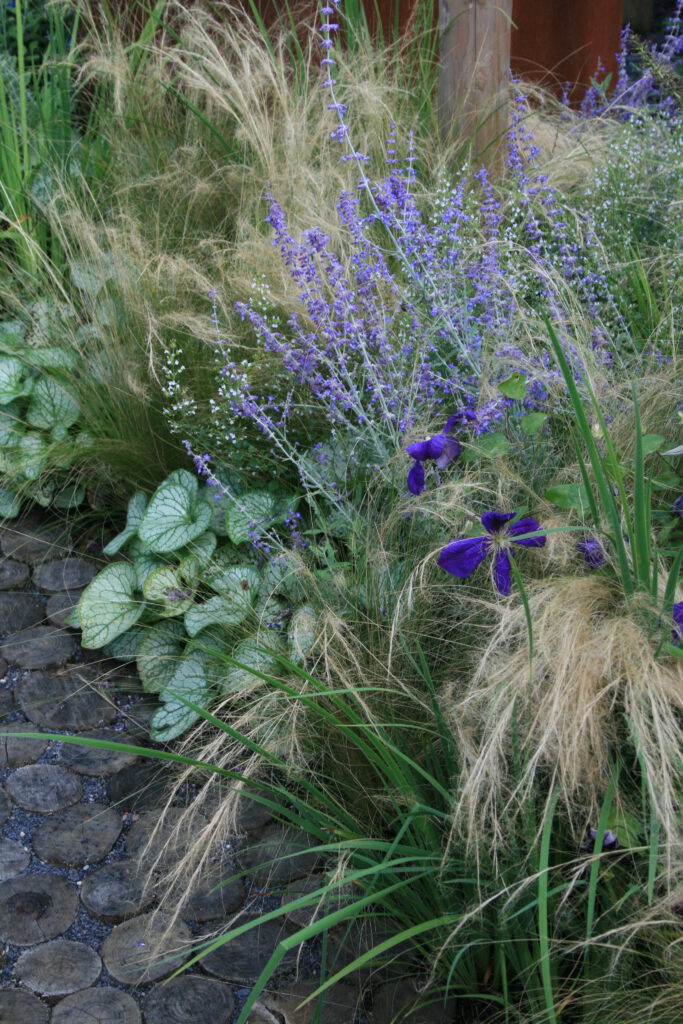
(215, 644)
(184, 478)
(144, 564)
(10, 505)
(333, 461)
(533, 422)
(250, 514)
(568, 496)
(239, 582)
(108, 606)
(136, 510)
(628, 827)
(302, 633)
(173, 518)
(50, 406)
(59, 433)
(70, 496)
(252, 653)
(11, 425)
(652, 443)
(284, 575)
(52, 358)
(221, 611)
(125, 646)
(489, 446)
(12, 383)
(189, 681)
(165, 586)
(10, 330)
(158, 655)
(221, 500)
(514, 386)
(665, 480)
(31, 451)
(43, 493)
(83, 441)
(85, 279)
(269, 612)
(199, 551)
(193, 566)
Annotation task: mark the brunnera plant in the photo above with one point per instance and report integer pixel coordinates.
(202, 581)
(41, 428)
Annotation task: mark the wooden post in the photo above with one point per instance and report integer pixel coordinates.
(474, 72)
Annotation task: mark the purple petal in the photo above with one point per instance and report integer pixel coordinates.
(592, 552)
(435, 446)
(461, 557)
(677, 634)
(610, 840)
(494, 522)
(451, 450)
(502, 573)
(439, 447)
(526, 526)
(450, 423)
(420, 450)
(416, 478)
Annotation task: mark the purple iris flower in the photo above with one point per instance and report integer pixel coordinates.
(610, 840)
(592, 552)
(461, 557)
(678, 505)
(442, 448)
(677, 632)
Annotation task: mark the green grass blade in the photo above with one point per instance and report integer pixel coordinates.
(609, 506)
(545, 960)
(640, 541)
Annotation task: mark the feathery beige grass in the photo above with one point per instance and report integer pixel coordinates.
(593, 684)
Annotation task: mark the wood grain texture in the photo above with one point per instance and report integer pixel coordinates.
(474, 72)
(554, 42)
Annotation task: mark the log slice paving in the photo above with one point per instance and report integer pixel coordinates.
(82, 941)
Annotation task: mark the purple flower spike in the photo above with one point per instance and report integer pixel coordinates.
(592, 552)
(442, 449)
(461, 557)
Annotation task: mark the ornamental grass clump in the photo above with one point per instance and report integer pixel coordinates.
(594, 690)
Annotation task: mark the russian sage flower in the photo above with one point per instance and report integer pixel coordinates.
(592, 552)
(442, 448)
(461, 557)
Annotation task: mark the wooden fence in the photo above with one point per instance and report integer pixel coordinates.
(553, 42)
(549, 41)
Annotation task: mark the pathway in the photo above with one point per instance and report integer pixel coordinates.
(76, 920)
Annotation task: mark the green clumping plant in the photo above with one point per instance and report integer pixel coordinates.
(547, 930)
(38, 137)
(620, 499)
(42, 439)
(201, 582)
